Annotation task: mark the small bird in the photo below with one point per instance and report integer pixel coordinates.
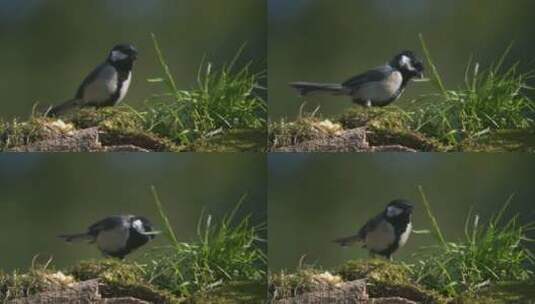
(106, 85)
(116, 236)
(377, 87)
(385, 233)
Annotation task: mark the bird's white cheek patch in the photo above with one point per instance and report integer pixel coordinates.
(118, 55)
(138, 225)
(406, 62)
(393, 211)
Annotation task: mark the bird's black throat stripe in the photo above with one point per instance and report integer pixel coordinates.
(400, 225)
(123, 67)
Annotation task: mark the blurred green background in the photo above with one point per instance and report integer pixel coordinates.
(314, 199)
(330, 41)
(48, 47)
(44, 195)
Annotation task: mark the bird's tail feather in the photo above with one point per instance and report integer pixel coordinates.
(63, 107)
(306, 88)
(348, 241)
(76, 237)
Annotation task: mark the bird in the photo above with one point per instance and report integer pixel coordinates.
(377, 87)
(106, 85)
(116, 236)
(385, 233)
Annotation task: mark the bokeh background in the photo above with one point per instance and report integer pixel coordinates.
(43, 195)
(330, 41)
(49, 46)
(315, 198)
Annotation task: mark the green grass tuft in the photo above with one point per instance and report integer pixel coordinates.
(491, 99)
(18, 133)
(226, 251)
(223, 99)
(490, 253)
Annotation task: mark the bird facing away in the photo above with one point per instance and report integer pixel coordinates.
(385, 233)
(377, 87)
(116, 236)
(106, 85)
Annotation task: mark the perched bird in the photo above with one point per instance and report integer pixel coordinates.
(106, 85)
(116, 236)
(385, 233)
(376, 87)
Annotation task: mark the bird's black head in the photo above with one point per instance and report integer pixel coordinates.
(143, 226)
(408, 64)
(397, 209)
(123, 53)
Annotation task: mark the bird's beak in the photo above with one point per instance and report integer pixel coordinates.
(151, 232)
(420, 77)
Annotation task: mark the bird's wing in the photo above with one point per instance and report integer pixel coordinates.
(106, 224)
(372, 75)
(87, 80)
(99, 85)
(371, 225)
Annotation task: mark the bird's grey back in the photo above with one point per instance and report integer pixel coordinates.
(373, 75)
(377, 87)
(108, 223)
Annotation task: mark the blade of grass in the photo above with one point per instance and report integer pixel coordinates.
(434, 70)
(169, 231)
(436, 228)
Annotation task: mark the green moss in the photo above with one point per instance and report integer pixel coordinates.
(376, 270)
(406, 138)
(389, 126)
(111, 271)
(388, 280)
(381, 118)
(121, 280)
(109, 118)
(122, 126)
